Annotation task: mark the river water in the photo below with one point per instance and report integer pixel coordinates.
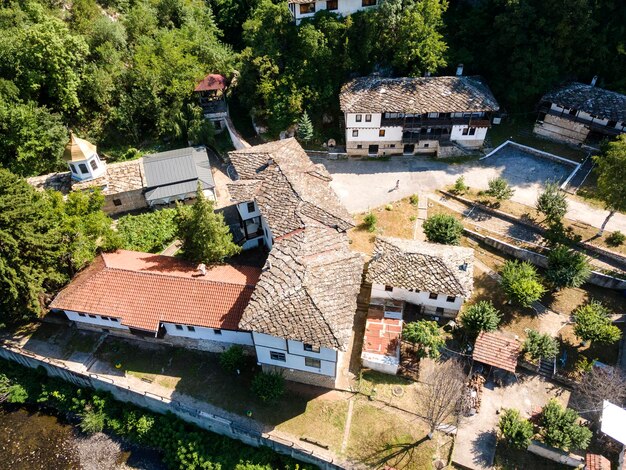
(35, 441)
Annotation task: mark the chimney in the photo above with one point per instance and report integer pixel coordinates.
(202, 269)
(459, 70)
(594, 80)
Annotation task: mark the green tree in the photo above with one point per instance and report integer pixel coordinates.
(521, 283)
(567, 268)
(443, 228)
(514, 430)
(481, 316)
(552, 203)
(459, 185)
(204, 235)
(305, 128)
(610, 166)
(540, 345)
(149, 232)
(560, 428)
(268, 386)
(30, 250)
(499, 189)
(426, 335)
(593, 323)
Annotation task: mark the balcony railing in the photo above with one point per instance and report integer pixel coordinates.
(596, 126)
(415, 138)
(419, 123)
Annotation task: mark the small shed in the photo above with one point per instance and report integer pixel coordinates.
(381, 343)
(496, 350)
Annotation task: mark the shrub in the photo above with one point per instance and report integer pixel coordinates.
(520, 282)
(583, 365)
(560, 428)
(499, 189)
(540, 345)
(593, 323)
(443, 228)
(149, 232)
(514, 430)
(413, 199)
(92, 421)
(233, 359)
(426, 335)
(389, 207)
(567, 268)
(268, 386)
(370, 220)
(482, 316)
(616, 239)
(552, 203)
(17, 394)
(459, 186)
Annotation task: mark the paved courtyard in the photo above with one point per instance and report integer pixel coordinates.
(365, 184)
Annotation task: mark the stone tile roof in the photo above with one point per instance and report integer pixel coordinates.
(416, 95)
(308, 289)
(424, 267)
(602, 103)
(143, 289)
(119, 178)
(287, 186)
(597, 462)
(496, 349)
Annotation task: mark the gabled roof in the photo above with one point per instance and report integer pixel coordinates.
(177, 172)
(143, 289)
(308, 289)
(287, 186)
(418, 95)
(599, 102)
(424, 267)
(496, 349)
(213, 81)
(597, 462)
(78, 149)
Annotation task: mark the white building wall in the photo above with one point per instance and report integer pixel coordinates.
(97, 321)
(352, 122)
(344, 7)
(201, 333)
(380, 363)
(244, 213)
(457, 134)
(417, 298)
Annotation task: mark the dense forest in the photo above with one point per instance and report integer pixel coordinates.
(121, 72)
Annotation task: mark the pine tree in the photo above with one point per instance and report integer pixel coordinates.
(305, 128)
(204, 235)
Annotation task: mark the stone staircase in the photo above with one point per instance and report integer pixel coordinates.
(547, 367)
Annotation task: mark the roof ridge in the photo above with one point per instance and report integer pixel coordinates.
(196, 278)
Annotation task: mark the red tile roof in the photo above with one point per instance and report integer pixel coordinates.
(382, 335)
(143, 289)
(496, 349)
(213, 81)
(597, 462)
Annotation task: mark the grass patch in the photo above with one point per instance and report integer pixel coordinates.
(393, 222)
(223, 144)
(391, 389)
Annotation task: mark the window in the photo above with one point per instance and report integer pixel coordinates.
(465, 131)
(355, 133)
(310, 362)
(277, 356)
(388, 288)
(611, 123)
(368, 3)
(439, 310)
(179, 327)
(332, 4)
(368, 118)
(432, 296)
(82, 315)
(250, 207)
(381, 133)
(190, 328)
(372, 150)
(117, 202)
(433, 115)
(93, 164)
(105, 318)
(393, 146)
(472, 131)
(450, 298)
(92, 316)
(73, 168)
(217, 332)
(426, 146)
(114, 320)
(358, 118)
(311, 348)
(307, 8)
(572, 112)
(83, 168)
(359, 146)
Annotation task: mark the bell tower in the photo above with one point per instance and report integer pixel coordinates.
(83, 160)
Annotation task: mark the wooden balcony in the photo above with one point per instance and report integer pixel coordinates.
(594, 126)
(433, 123)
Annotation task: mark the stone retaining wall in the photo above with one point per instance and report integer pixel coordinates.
(555, 455)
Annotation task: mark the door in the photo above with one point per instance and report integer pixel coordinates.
(409, 149)
(373, 150)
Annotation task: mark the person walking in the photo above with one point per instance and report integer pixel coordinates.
(397, 185)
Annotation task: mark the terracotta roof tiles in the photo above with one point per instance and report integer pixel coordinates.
(496, 349)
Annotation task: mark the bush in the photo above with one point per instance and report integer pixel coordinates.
(593, 323)
(560, 428)
(370, 220)
(567, 268)
(268, 387)
(233, 359)
(459, 186)
(17, 394)
(426, 335)
(389, 207)
(540, 345)
(514, 430)
(616, 239)
(482, 316)
(92, 421)
(552, 203)
(414, 199)
(443, 228)
(520, 283)
(499, 189)
(150, 232)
